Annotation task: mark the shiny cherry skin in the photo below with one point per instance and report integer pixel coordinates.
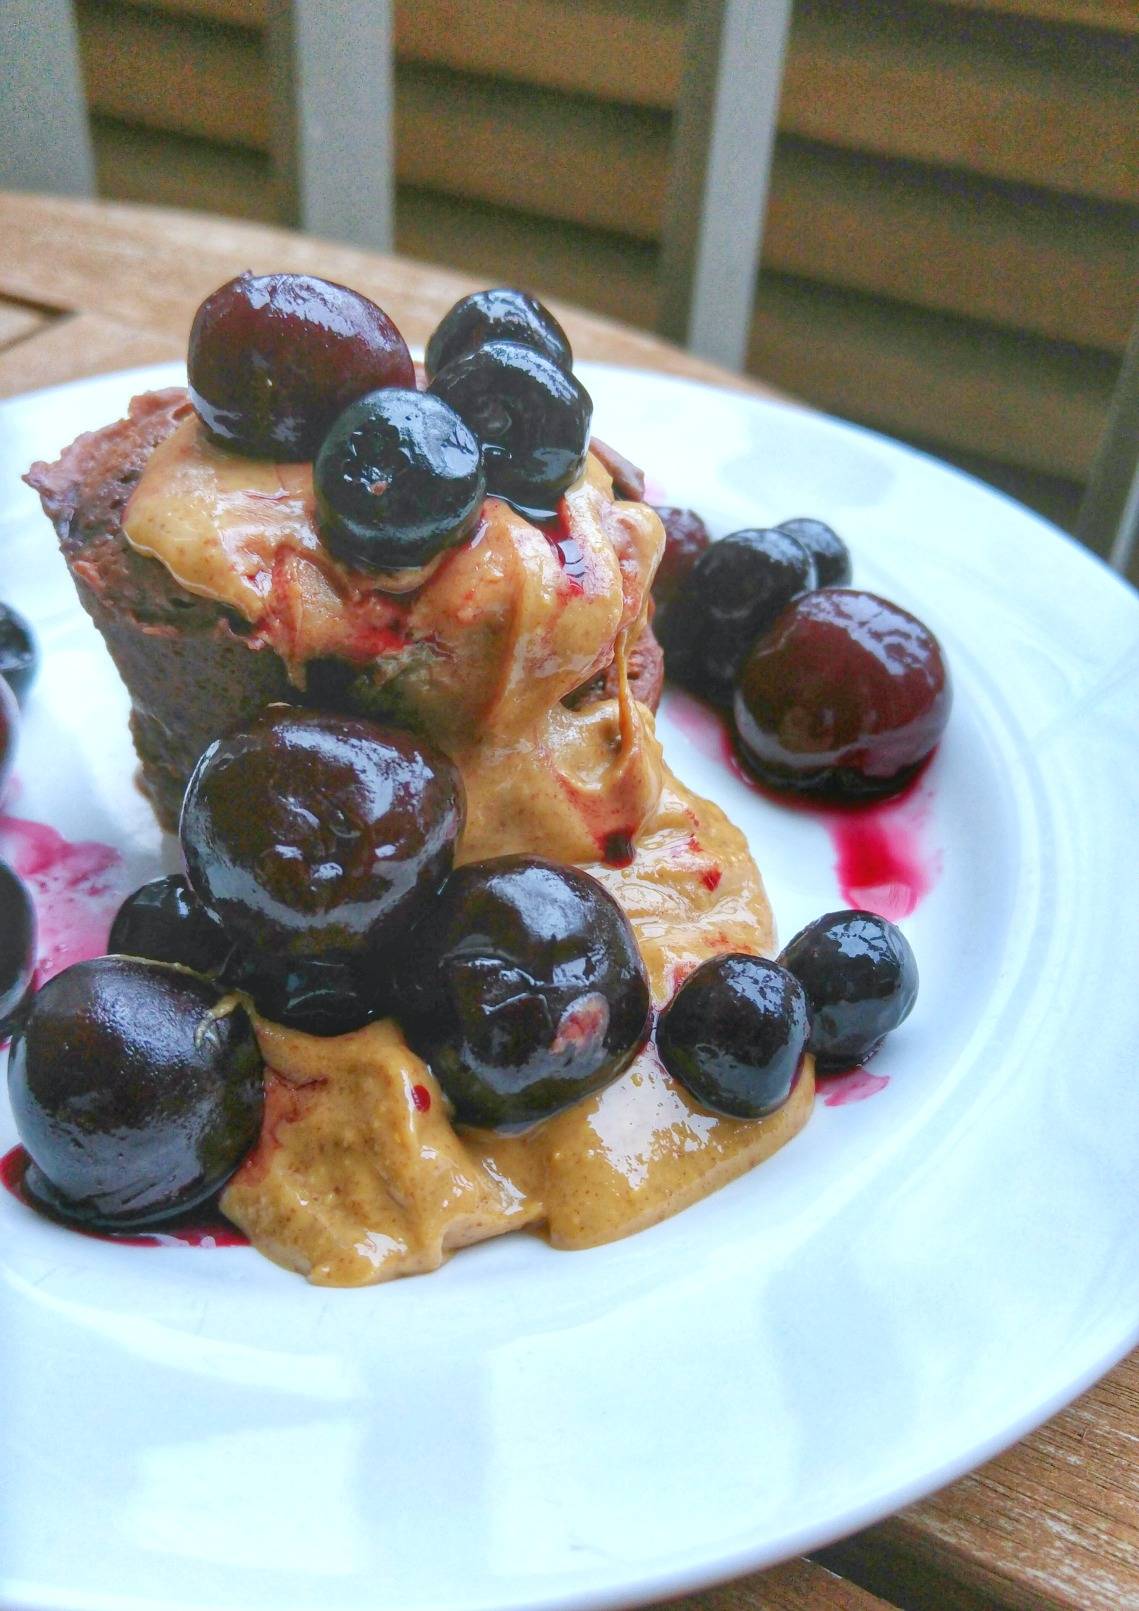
(136, 1089)
(734, 592)
(827, 549)
(734, 1035)
(164, 921)
(531, 417)
(17, 946)
(523, 988)
(861, 980)
(843, 698)
(9, 731)
(398, 479)
(274, 358)
(500, 314)
(314, 836)
(19, 660)
(685, 539)
(319, 998)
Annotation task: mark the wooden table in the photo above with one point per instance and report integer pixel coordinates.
(1054, 1522)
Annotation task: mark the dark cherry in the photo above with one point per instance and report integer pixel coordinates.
(531, 417)
(500, 314)
(734, 1035)
(523, 988)
(19, 661)
(17, 946)
(861, 981)
(398, 479)
(734, 592)
(165, 921)
(843, 698)
(9, 730)
(136, 1089)
(314, 836)
(320, 998)
(685, 539)
(274, 358)
(826, 548)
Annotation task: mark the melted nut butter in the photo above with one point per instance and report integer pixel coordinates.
(359, 1175)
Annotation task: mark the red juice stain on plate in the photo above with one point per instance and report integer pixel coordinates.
(76, 887)
(882, 862)
(854, 1085)
(200, 1228)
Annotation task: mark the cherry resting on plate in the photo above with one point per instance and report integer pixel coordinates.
(164, 921)
(844, 697)
(861, 980)
(830, 554)
(315, 836)
(734, 1035)
(685, 539)
(734, 592)
(18, 659)
(17, 946)
(524, 989)
(531, 417)
(274, 358)
(398, 479)
(500, 314)
(136, 1089)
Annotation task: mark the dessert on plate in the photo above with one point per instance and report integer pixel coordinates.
(393, 674)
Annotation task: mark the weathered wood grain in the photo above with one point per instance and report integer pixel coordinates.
(798, 1586)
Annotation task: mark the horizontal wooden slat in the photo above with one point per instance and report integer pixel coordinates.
(202, 80)
(999, 96)
(1011, 98)
(1115, 15)
(533, 150)
(608, 273)
(1052, 1522)
(168, 170)
(618, 50)
(905, 372)
(627, 52)
(1055, 265)
(82, 344)
(241, 13)
(798, 1586)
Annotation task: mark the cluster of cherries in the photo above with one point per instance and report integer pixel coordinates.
(291, 367)
(835, 693)
(319, 847)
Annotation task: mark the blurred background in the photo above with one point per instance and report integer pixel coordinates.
(950, 246)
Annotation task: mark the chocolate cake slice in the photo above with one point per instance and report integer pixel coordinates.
(193, 667)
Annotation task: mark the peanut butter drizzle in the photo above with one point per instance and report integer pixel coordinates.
(359, 1175)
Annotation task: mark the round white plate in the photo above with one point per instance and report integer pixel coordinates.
(911, 1284)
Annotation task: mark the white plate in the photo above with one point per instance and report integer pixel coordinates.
(911, 1284)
